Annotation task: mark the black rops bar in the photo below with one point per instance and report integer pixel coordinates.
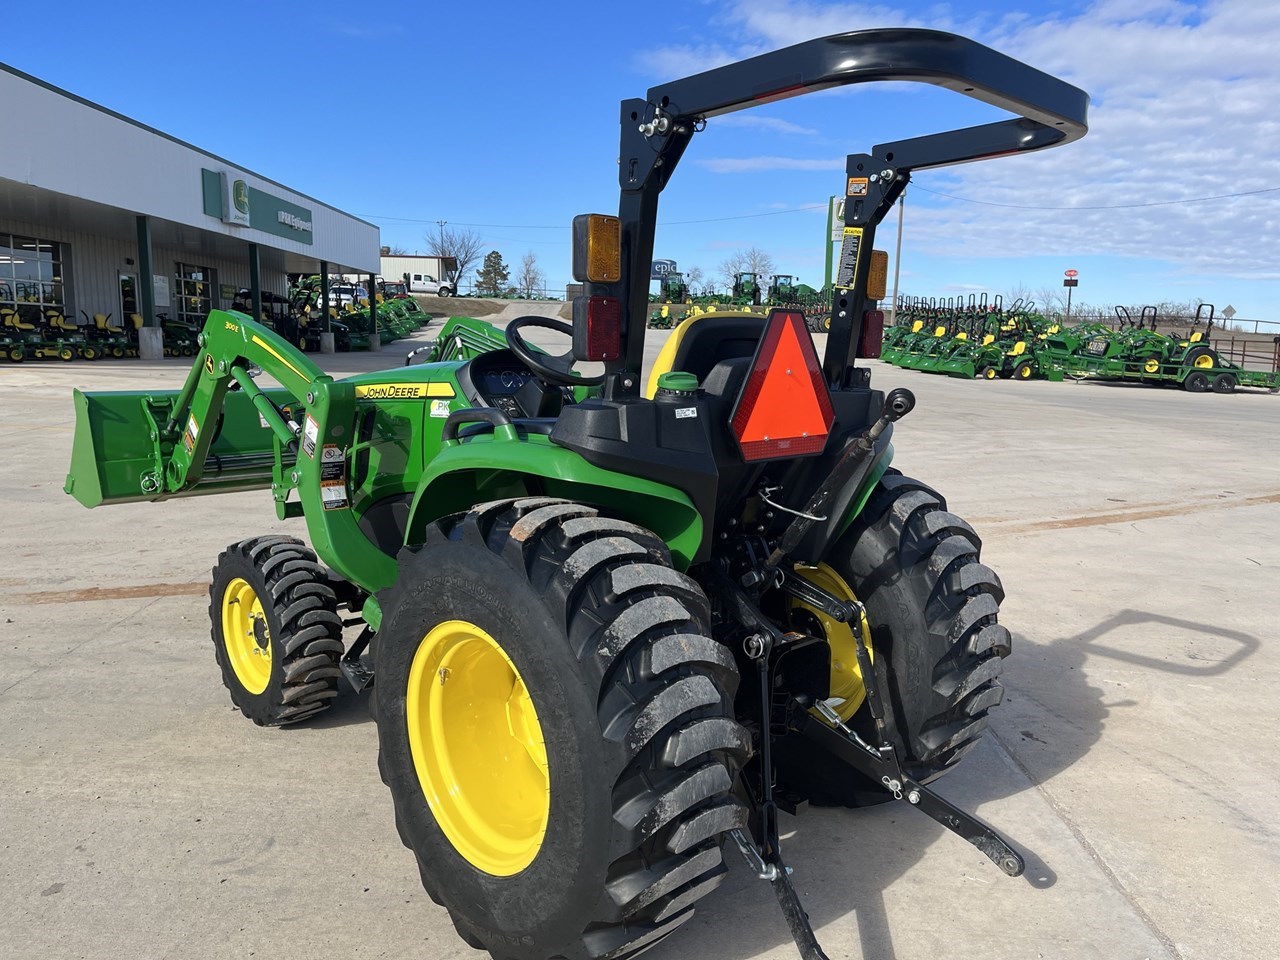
(656, 130)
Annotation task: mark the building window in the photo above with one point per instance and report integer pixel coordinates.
(31, 282)
(195, 293)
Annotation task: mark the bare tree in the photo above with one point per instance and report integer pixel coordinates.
(753, 260)
(463, 245)
(730, 267)
(395, 250)
(1050, 301)
(530, 278)
(1019, 291)
(759, 262)
(693, 278)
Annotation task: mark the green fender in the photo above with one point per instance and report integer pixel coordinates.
(501, 464)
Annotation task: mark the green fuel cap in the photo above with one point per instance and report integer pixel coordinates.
(677, 381)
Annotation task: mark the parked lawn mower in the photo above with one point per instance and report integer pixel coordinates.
(108, 339)
(181, 339)
(26, 340)
(613, 631)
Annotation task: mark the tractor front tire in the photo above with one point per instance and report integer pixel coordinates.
(931, 608)
(276, 632)
(555, 726)
(1025, 370)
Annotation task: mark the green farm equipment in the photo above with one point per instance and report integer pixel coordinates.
(617, 623)
(662, 318)
(1137, 352)
(674, 289)
(181, 339)
(37, 338)
(108, 339)
(783, 290)
(746, 290)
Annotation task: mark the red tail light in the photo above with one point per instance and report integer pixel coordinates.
(597, 328)
(784, 409)
(872, 335)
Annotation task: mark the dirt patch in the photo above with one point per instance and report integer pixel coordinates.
(142, 591)
(459, 306)
(1104, 519)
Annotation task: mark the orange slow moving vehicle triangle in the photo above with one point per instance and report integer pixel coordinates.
(784, 410)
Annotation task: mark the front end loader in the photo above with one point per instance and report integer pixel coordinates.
(615, 624)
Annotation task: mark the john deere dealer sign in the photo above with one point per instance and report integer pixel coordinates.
(234, 201)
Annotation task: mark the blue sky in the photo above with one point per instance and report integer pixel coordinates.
(502, 117)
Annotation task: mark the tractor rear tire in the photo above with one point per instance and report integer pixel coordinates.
(287, 670)
(1200, 357)
(1224, 383)
(634, 734)
(931, 608)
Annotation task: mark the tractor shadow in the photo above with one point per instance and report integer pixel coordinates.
(844, 859)
(347, 708)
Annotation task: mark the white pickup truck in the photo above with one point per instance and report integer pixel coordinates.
(426, 283)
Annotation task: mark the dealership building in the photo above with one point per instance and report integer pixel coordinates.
(100, 214)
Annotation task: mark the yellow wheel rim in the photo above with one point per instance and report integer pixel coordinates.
(1152, 366)
(990, 373)
(478, 749)
(1204, 362)
(1025, 373)
(846, 675)
(246, 636)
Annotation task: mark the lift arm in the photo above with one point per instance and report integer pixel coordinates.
(223, 433)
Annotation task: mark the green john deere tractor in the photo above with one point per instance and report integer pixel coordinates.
(613, 624)
(746, 290)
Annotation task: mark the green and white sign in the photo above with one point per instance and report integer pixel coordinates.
(233, 200)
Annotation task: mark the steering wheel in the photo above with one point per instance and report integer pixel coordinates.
(554, 370)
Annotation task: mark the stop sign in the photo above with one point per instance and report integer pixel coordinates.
(1072, 273)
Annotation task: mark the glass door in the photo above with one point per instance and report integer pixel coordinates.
(128, 301)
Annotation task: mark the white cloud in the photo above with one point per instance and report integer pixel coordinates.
(771, 124)
(756, 164)
(1183, 107)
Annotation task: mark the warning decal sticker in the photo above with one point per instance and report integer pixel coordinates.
(310, 434)
(857, 187)
(190, 434)
(849, 251)
(333, 495)
(333, 466)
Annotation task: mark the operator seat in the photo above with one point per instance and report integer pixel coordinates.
(699, 344)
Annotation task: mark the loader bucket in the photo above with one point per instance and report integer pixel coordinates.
(114, 450)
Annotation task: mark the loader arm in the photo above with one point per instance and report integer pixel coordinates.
(223, 433)
(230, 344)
